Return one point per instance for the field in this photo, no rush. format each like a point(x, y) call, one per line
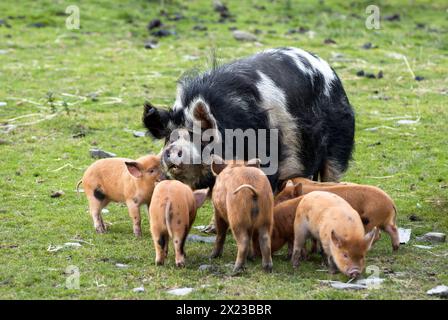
point(67, 91)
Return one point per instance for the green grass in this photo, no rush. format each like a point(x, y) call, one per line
point(52, 71)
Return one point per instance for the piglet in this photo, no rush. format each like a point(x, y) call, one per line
point(375, 207)
point(121, 180)
point(331, 220)
point(171, 213)
point(283, 228)
point(243, 199)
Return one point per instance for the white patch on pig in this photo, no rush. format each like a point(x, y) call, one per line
point(317, 65)
point(273, 101)
point(178, 103)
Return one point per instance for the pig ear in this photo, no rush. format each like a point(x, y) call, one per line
point(283, 185)
point(134, 168)
point(201, 112)
point(298, 190)
point(200, 196)
point(253, 163)
point(217, 165)
point(155, 120)
point(335, 239)
point(369, 237)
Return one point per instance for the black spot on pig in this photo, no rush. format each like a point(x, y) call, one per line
point(99, 194)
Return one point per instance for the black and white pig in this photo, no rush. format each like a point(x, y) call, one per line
point(287, 89)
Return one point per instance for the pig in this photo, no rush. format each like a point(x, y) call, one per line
point(283, 228)
point(171, 213)
point(121, 180)
point(243, 199)
point(286, 90)
point(376, 207)
point(331, 220)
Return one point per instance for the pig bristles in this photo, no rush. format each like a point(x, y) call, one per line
point(77, 186)
point(246, 186)
point(167, 218)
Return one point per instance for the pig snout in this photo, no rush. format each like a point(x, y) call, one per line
point(173, 157)
point(354, 272)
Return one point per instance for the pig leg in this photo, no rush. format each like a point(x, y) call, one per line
point(179, 244)
point(251, 253)
point(243, 242)
point(329, 172)
point(221, 232)
point(95, 207)
point(161, 245)
point(264, 239)
point(300, 233)
point(290, 250)
point(393, 233)
point(134, 213)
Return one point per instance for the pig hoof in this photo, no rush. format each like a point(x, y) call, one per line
point(267, 267)
point(100, 229)
point(138, 234)
point(159, 263)
point(215, 255)
point(180, 264)
point(237, 270)
point(395, 247)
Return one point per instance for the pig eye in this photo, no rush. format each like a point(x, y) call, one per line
point(345, 256)
point(151, 170)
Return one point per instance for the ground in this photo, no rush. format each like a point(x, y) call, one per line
point(67, 91)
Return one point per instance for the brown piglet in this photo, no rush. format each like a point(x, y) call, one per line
point(283, 228)
point(376, 208)
point(243, 199)
point(121, 180)
point(171, 213)
point(331, 220)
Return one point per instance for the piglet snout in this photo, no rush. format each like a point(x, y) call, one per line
point(354, 273)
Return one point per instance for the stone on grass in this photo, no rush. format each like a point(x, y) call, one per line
point(138, 289)
point(153, 24)
point(344, 286)
point(72, 244)
point(205, 267)
point(244, 36)
point(180, 291)
point(57, 194)
point(408, 122)
point(3, 104)
point(101, 154)
point(440, 291)
point(423, 247)
point(433, 237)
point(138, 134)
point(370, 281)
point(196, 238)
point(151, 44)
point(121, 265)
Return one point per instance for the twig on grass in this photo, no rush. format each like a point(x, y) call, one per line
point(60, 168)
point(408, 66)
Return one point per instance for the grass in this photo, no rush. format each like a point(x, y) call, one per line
point(92, 82)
